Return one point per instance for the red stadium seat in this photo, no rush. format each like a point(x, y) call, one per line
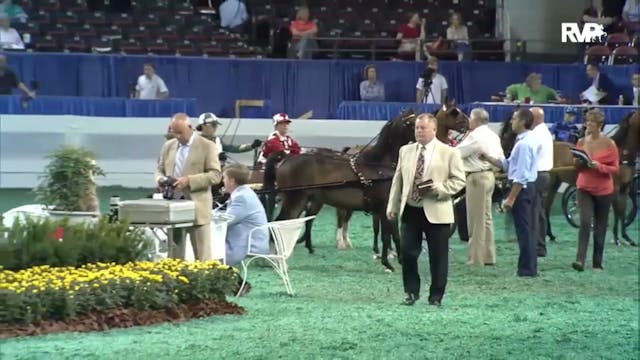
point(597, 53)
point(624, 55)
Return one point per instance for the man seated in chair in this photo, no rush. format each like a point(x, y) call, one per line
point(248, 213)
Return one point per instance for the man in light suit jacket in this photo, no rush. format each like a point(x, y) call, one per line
point(193, 161)
point(248, 213)
point(428, 212)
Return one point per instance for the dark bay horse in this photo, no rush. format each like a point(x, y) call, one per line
point(359, 182)
point(625, 137)
point(362, 181)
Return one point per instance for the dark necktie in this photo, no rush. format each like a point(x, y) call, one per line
point(415, 195)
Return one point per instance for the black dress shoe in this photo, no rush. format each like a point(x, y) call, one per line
point(435, 303)
point(577, 266)
point(410, 300)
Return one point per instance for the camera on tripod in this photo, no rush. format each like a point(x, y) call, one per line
point(168, 185)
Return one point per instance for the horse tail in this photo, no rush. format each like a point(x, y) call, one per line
point(269, 181)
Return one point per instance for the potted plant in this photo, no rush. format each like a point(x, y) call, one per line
point(68, 185)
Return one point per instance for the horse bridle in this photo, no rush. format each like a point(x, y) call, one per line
point(367, 184)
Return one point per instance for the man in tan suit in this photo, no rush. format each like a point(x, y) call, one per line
point(193, 161)
point(427, 212)
point(480, 185)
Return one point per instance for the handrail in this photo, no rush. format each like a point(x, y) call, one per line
point(375, 45)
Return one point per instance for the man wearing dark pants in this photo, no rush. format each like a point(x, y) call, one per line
point(521, 168)
point(544, 155)
point(427, 209)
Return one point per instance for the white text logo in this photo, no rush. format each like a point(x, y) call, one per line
point(591, 32)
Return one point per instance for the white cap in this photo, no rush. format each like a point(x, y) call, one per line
point(280, 117)
point(207, 118)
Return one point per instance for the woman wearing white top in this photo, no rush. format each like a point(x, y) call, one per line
point(9, 37)
point(458, 33)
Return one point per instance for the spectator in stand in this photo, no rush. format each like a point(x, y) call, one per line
point(595, 188)
point(303, 31)
point(631, 16)
point(438, 89)
point(9, 80)
point(233, 15)
point(150, 86)
point(15, 13)
point(9, 37)
point(533, 90)
point(632, 94)
point(371, 89)
point(410, 35)
point(601, 82)
point(457, 32)
point(599, 14)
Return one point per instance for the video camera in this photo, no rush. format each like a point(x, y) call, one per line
point(427, 76)
point(168, 185)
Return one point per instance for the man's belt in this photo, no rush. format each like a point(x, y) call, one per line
point(477, 171)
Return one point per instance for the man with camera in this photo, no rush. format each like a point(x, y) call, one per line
point(431, 87)
point(187, 169)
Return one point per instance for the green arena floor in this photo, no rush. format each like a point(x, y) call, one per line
point(347, 307)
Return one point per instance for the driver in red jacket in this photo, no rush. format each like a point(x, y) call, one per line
point(279, 140)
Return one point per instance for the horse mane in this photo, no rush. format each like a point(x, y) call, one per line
point(381, 145)
point(620, 136)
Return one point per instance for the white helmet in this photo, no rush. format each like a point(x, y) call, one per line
point(207, 118)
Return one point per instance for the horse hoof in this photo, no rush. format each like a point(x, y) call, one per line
point(631, 242)
point(376, 256)
point(388, 271)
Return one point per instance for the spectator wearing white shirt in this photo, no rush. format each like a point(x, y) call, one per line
point(544, 157)
point(480, 184)
point(233, 15)
point(150, 86)
point(437, 92)
point(9, 37)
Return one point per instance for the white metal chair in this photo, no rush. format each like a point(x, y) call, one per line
point(285, 234)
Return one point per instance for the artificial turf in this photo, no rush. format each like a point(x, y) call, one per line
point(347, 307)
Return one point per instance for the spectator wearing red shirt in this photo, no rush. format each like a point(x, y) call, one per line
point(279, 140)
point(303, 30)
point(595, 188)
point(410, 35)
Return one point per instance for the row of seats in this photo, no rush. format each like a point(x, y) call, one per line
point(172, 26)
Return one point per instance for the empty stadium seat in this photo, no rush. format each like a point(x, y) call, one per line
point(624, 55)
point(597, 53)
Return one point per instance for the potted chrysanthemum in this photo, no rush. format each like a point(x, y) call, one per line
point(68, 184)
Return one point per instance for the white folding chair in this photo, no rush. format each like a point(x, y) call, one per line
point(285, 234)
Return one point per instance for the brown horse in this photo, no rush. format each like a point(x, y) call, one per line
point(357, 183)
point(345, 215)
point(625, 137)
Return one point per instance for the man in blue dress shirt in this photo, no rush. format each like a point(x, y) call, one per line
point(522, 172)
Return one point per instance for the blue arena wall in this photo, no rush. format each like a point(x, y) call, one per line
point(293, 86)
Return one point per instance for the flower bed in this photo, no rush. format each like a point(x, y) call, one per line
point(43, 295)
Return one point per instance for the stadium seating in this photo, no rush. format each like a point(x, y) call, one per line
point(176, 27)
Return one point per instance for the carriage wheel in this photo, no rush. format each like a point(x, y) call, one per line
point(570, 206)
point(634, 193)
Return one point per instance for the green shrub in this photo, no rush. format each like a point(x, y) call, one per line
point(35, 242)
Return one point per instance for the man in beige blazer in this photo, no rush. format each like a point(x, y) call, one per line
point(428, 212)
point(193, 161)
